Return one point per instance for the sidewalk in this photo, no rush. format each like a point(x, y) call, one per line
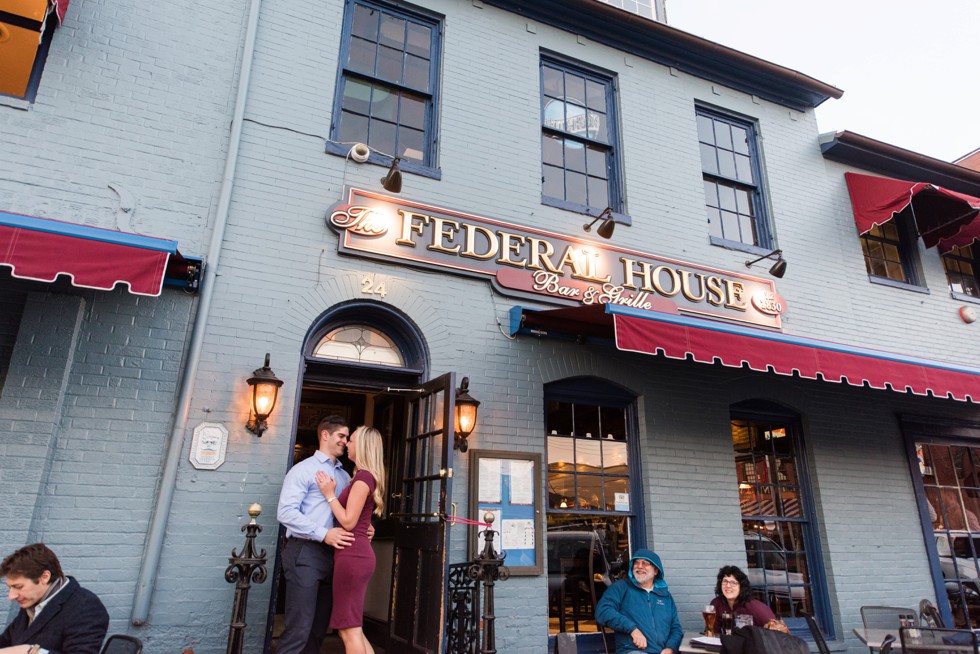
point(333, 645)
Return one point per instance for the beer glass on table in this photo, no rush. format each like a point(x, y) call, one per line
point(709, 620)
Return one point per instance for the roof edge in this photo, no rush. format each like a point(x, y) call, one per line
point(880, 157)
point(670, 46)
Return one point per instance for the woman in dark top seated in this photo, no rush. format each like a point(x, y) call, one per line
point(732, 595)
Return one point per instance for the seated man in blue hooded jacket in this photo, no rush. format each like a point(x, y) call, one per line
point(641, 610)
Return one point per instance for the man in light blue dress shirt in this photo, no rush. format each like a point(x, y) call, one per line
point(307, 554)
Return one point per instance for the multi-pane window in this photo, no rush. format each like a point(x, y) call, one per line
point(590, 506)
point(963, 270)
point(732, 185)
point(951, 479)
point(388, 83)
point(579, 166)
point(777, 529)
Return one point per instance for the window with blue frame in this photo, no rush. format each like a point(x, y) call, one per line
point(780, 539)
point(579, 138)
point(593, 508)
point(733, 195)
point(387, 92)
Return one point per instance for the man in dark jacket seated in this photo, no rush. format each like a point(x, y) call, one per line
point(57, 616)
point(641, 610)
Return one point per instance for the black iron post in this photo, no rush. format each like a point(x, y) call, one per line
point(244, 569)
point(489, 568)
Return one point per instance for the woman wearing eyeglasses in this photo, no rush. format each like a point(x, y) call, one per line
point(733, 596)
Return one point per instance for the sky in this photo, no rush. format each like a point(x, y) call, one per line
point(910, 71)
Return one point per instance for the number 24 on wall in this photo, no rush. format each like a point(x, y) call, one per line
point(368, 287)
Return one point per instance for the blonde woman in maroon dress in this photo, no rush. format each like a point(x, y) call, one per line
point(354, 565)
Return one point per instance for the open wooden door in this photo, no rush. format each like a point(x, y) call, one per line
point(417, 614)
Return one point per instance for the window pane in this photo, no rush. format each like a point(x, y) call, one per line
point(709, 161)
point(587, 421)
point(411, 143)
point(365, 23)
point(575, 88)
point(596, 128)
point(558, 420)
point(706, 131)
point(574, 156)
point(740, 139)
point(743, 169)
point(726, 164)
point(723, 134)
point(419, 41)
point(561, 453)
point(353, 128)
point(390, 64)
point(726, 196)
point(614, 457)
point(552, 149)
point(417, 72)
point(553, 182)
point(392, 31)
point(595, 96)
point(361, 56)
point(575, 188)
point(384, 105)
point(382, 136)
point(412, 112)
point(615, 485)
point(553, 82)
point(597, 162)
point(598, 193)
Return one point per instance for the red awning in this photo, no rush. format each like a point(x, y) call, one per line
point(60, 7)
point(940, 214)
point(733, 346)
point(42, 249)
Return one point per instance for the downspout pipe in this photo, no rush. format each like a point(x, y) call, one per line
point(161, 510)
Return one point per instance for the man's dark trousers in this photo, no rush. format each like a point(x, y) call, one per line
point(308, 567)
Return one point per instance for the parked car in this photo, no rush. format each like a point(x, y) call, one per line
point(767, 568)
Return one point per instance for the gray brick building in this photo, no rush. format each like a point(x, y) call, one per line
point(642, 390)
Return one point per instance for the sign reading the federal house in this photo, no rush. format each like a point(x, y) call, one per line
point(546, 266)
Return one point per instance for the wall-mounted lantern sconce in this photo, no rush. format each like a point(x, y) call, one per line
point(466, 406)
point(778, 269)
point(264, 387)
point(392, 182)
point(608, 224)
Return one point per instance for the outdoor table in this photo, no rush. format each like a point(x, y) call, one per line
point(874, 637)
point(687, 648)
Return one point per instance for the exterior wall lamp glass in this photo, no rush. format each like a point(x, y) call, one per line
point(778, 269)
point(465, 419)
point(392, 182)
point(264, 387)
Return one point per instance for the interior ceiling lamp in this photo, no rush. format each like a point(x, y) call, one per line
point(778, 269)
point(392, 182)
point(265, 390)
point(608, 224)
point(465, 419)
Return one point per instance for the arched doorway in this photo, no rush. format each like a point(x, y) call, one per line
point(364, 361)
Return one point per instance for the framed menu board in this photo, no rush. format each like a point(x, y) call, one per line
point(508, 485)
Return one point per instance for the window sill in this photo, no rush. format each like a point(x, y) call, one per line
point(405, 165)
point(963, 297)
point(884, 281)
point(740, 247)
point(15, 103)
point(619, 218)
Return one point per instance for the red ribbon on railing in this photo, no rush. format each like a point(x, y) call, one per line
point(454, 519)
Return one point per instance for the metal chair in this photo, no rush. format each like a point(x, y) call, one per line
point(121, 644)
point(887, 644)
point(818, 638)
point(930, 616)
point(924, 640)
